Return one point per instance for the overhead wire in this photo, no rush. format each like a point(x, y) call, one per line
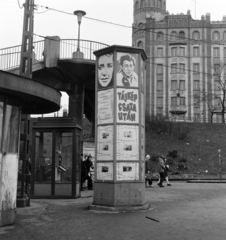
point(136, 28)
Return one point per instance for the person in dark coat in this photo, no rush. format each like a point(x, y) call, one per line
point(88, 164)
point(148, 178)
point(161, 170)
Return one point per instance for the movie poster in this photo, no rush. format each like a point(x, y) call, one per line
point(127, 70)
point(105, 107)
point(127, 171)
point(105, 171)
point(105, 143)
point(127, 142)
point(127, 105)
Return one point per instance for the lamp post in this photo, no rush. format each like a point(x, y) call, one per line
point(79, 14)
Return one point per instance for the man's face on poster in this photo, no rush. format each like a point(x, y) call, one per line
point(105, 69)
point(128, 67)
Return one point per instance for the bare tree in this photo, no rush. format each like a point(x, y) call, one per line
point(215, 95)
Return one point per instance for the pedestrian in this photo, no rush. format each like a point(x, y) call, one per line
point(89, 165)
point(166, 172)
point(161, 169)
point(148, 177)
point(84, 172)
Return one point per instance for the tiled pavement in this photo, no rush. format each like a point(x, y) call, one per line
point(193, 211)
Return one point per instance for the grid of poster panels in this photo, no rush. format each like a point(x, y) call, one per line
point(128, 116)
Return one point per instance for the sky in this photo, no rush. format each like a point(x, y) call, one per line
point(53, 23)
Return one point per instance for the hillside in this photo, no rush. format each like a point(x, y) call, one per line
point(199, 148)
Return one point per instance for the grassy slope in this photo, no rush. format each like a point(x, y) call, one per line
point(200, 147)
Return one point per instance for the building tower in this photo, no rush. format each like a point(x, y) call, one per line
point(182, 55)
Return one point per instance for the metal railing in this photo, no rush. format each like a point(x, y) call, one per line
point(10, 57)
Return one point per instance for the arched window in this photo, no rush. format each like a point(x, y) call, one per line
point(160, 36)
point(196, 35)
point(142, 3)
point(216, 35)
point(173, 36)
point(181, 34)
point(140, 25)
point(136, 5)
point(160, 3)
point(224, 37)
point(140, 44)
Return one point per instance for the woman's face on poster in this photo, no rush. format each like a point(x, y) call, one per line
point(105, 69)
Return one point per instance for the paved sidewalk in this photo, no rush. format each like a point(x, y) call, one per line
point(184, 211)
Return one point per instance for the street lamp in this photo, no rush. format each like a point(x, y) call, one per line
point(79, 14)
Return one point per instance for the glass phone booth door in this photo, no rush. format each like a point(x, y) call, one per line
point(53, 166)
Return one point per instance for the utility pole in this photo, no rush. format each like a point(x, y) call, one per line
point(27, 40)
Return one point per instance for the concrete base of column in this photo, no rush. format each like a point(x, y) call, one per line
point(119, 197)
point(115, 209)
point(7, 217)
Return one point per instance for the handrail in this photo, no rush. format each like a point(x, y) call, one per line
point(10, 57)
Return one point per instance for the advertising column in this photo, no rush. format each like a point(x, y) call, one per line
point(120, 133)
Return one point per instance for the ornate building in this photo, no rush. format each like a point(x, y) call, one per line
point(182, 53)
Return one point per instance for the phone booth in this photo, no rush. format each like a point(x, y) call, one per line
point(56, 158)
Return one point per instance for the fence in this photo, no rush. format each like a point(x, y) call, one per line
point(10, 57)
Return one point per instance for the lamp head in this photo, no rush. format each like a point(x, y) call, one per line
point(79, 14)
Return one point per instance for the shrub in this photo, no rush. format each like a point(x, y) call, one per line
point(183, 131)
point(182, 167)
point(173, 154)
point(170, 161)
point(154, 158)
point(183, 160)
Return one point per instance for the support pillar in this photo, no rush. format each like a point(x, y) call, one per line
point(120, 130)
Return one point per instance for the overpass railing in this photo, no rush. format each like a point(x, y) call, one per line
point(10, 57)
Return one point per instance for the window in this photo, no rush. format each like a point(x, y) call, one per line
point(182, 101)
point(140, 44)
point(160, 77)
point(217, 85)
point(224, 36)
point(216, 52)
point(174, 85)
point(196, 117)
point(196, 68)
point(160, 52)
point(181, 34)
point(182, 85)
point(195, 51)
point(174, 68)
point(159, 102)
point(196, 85)
point(160, 3)
point(160, 36)
point(182, 68)
point(174, 51)
point(174, 101)
point(142, 3)
point(159, 85)
point(216, 35)
point(182, 51)
point(174, 36)
point(225, 52)
point(136, 5)
point(196, 102)
point(196, 35)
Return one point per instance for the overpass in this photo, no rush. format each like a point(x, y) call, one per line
point(54, 64)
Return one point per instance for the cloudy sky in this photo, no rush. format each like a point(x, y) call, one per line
point(52, 23)
point(64, 25)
